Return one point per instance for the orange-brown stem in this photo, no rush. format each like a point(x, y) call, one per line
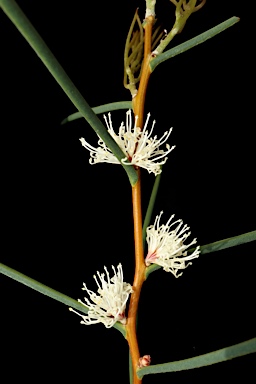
point(140, 267)
point(139, 278)
point(139, 99)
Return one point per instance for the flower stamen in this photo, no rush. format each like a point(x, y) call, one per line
point(166, 245)
point(141, 149)
point(109, 305)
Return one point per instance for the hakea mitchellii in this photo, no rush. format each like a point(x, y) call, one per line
point(108, 306)
point(166, 245)
point(140, 148)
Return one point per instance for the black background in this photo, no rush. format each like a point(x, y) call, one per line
point(63, 219)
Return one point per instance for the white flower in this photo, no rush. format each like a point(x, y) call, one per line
point(140, 148)
point(166, 245)
point(108, 306)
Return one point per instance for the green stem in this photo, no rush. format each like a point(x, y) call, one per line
point(150, 208)
point(182, 16)
point(130, 369)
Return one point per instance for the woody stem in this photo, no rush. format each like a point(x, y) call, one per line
point(140, 267)
point(139, 278)
point(139, 99)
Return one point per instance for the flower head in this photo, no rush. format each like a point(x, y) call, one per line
point(108, 306)
point(139, 147)
point(166, 245)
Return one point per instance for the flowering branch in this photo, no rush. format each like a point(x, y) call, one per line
point(134, 148)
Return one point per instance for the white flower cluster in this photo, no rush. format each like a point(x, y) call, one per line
point(109, 305)
point(165, 242)
point(140, 148)
point(166, 245)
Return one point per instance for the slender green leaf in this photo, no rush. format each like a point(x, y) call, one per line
point(216, 246)
point(192, 42)
point(24, 26)
point(219, 356)
point(229, 242)
point(100, 109)
point(39, 287)
point(151, 205)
